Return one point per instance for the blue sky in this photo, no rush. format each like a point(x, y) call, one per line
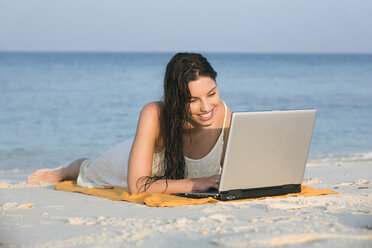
point(258, 26)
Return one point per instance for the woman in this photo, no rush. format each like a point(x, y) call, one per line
point(179, 143)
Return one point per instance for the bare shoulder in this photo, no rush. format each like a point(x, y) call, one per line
point(226, 132)
point(150, 113)
point(148, 128)
point(228, 116)
point(152, 109)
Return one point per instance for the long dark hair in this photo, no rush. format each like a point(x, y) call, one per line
point(181, 69)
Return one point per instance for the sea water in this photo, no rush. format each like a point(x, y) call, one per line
point(56, 107)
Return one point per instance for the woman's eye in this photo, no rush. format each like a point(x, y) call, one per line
point(212, 94)
point(192, 100)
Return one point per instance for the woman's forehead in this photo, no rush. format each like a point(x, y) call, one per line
point(203, 85)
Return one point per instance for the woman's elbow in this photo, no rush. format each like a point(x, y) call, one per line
point(135, 187)
point(132, 188)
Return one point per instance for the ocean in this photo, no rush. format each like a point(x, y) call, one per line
point(56, 107)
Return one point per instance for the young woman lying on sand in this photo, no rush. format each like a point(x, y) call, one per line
point(179, 142)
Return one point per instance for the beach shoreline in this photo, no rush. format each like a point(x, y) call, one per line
point(43, 217)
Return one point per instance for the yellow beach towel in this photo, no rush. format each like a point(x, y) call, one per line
point(163, 200)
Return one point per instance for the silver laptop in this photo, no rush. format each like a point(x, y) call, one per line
point(266, 154)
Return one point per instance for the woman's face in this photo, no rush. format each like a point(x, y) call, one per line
point(204, 101)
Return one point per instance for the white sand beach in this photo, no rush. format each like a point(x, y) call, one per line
point(43, 217)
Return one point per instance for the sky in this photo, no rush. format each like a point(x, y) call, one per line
point(251, 26)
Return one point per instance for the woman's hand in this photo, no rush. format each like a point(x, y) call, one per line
point(205, 183)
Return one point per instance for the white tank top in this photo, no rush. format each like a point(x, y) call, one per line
point(204, 167)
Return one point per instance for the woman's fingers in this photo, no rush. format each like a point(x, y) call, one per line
point(205, 183)
point(215, 181)
point(216, 178)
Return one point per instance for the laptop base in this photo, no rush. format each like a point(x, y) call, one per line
point(246, 193)
point(259, 192)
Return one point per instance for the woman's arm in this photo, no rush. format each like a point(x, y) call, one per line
point(141, 156)
point(181, 185)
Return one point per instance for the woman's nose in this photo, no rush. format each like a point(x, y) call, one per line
point(205, 106)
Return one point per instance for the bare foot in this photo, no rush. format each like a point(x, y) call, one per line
point(46, 176)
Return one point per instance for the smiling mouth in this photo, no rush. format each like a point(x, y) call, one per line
point(206, 116)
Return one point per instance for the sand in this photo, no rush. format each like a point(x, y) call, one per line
point(39, 216)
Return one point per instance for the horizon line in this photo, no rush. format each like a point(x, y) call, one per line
point(195, 51)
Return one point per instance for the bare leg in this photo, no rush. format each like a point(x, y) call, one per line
point(71, 172)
